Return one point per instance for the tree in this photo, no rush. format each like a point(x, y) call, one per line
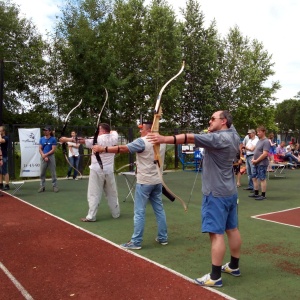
point(163, 61)
point(288, 115)
point(80, 59)
point(200, 48)
point(22, 49)
point(128, 48)
point(245, 69)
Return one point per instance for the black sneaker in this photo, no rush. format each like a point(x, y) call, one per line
point(260, 198)
point(248, 189)
point(41, 189)
point(6, 187)
point(1, 186)
point(164, 243)
point(253, 196)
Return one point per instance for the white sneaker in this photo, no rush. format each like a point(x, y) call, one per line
point(207, 281)
point(130, 246)
point(228, 270)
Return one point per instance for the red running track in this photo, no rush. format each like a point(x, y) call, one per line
point(52, 259)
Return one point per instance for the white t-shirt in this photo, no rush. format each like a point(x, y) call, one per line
point(105, 140)
point(251, 143)
point(74, 151)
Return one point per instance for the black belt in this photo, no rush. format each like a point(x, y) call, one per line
point(249, 155)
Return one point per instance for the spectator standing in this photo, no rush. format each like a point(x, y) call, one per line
point(249, 149)
point(260, 164)
point(47, 149)
point(219, 205)
point(101, 179)
point(148, 188)
point(272, 150)
point(4, 176)
point(73, 157)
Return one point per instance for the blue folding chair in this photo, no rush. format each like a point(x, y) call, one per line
point(198, 160)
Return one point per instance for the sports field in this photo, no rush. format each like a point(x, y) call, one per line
point(270, 262)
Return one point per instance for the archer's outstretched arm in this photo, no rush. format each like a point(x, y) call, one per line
point(184, 138)
point(111, 149)
point(79, 140)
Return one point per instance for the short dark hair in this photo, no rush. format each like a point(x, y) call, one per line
point(148, 124)
point(261, 128)
point(105, 126)
point(227, 115)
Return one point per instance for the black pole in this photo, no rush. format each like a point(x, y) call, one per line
point(1, 89)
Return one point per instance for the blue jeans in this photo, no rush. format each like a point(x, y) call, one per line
point(153, 193)
point(290, 158)
point(249, 172)
point(74, 161)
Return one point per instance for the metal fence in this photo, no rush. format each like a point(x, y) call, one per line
point(126, 135)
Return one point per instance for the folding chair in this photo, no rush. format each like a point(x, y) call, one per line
point(17, 185)
point(130, 183)
point(198, 160)
point(279, 166)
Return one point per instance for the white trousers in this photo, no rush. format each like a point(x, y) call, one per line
point(99, 182)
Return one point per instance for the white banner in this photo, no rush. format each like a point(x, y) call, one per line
point(30, 156)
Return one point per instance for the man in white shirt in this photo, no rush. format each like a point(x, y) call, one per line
point(249, 149)
point(102, 176)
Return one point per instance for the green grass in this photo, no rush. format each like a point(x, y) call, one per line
point(270, 260)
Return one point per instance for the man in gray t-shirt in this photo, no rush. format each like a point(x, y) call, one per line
point(219, 205)
point(260, 164)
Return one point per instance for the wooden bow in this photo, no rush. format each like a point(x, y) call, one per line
point(97, 154)
point(64, 145)
point(155, 128)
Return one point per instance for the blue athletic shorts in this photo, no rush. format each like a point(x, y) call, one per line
point(259, 172)
point(219, 214)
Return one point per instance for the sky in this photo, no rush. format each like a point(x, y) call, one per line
point(274, 23)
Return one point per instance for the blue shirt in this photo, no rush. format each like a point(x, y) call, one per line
point(47, 143)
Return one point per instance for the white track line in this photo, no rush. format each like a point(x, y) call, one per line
point(17, 284)
point(128, 251)
point(261, 217)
